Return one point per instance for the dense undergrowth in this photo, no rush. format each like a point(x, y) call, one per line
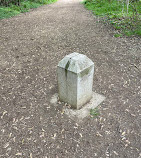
point(115, 12)
point(12, 9)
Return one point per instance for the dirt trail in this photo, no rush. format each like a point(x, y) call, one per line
point(31, 45)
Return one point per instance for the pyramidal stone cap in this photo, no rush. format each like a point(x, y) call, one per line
point(75, 79)
point(75, 62)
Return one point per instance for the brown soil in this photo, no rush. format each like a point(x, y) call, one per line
point(32, 44)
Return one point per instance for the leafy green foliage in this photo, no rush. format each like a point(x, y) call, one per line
point(116, 14)
point(117, 35)
point(94, 112)
point(12, 10)
point(18, 2)
point(6, 12)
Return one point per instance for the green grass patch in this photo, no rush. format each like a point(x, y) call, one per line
point(25, 6)
point(115, 13)
point(118, 35)
point(6, 12)
point(94, 112)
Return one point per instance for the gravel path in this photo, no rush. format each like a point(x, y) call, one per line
point(32, 44)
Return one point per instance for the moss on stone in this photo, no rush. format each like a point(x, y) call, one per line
point(66, 67)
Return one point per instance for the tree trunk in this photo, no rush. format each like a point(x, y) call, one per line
point(127, 5)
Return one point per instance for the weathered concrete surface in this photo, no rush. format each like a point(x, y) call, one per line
point(75, 79)
point(30, 47)
point(79, 115)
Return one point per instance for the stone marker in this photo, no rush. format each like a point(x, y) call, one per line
point(75, 79)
